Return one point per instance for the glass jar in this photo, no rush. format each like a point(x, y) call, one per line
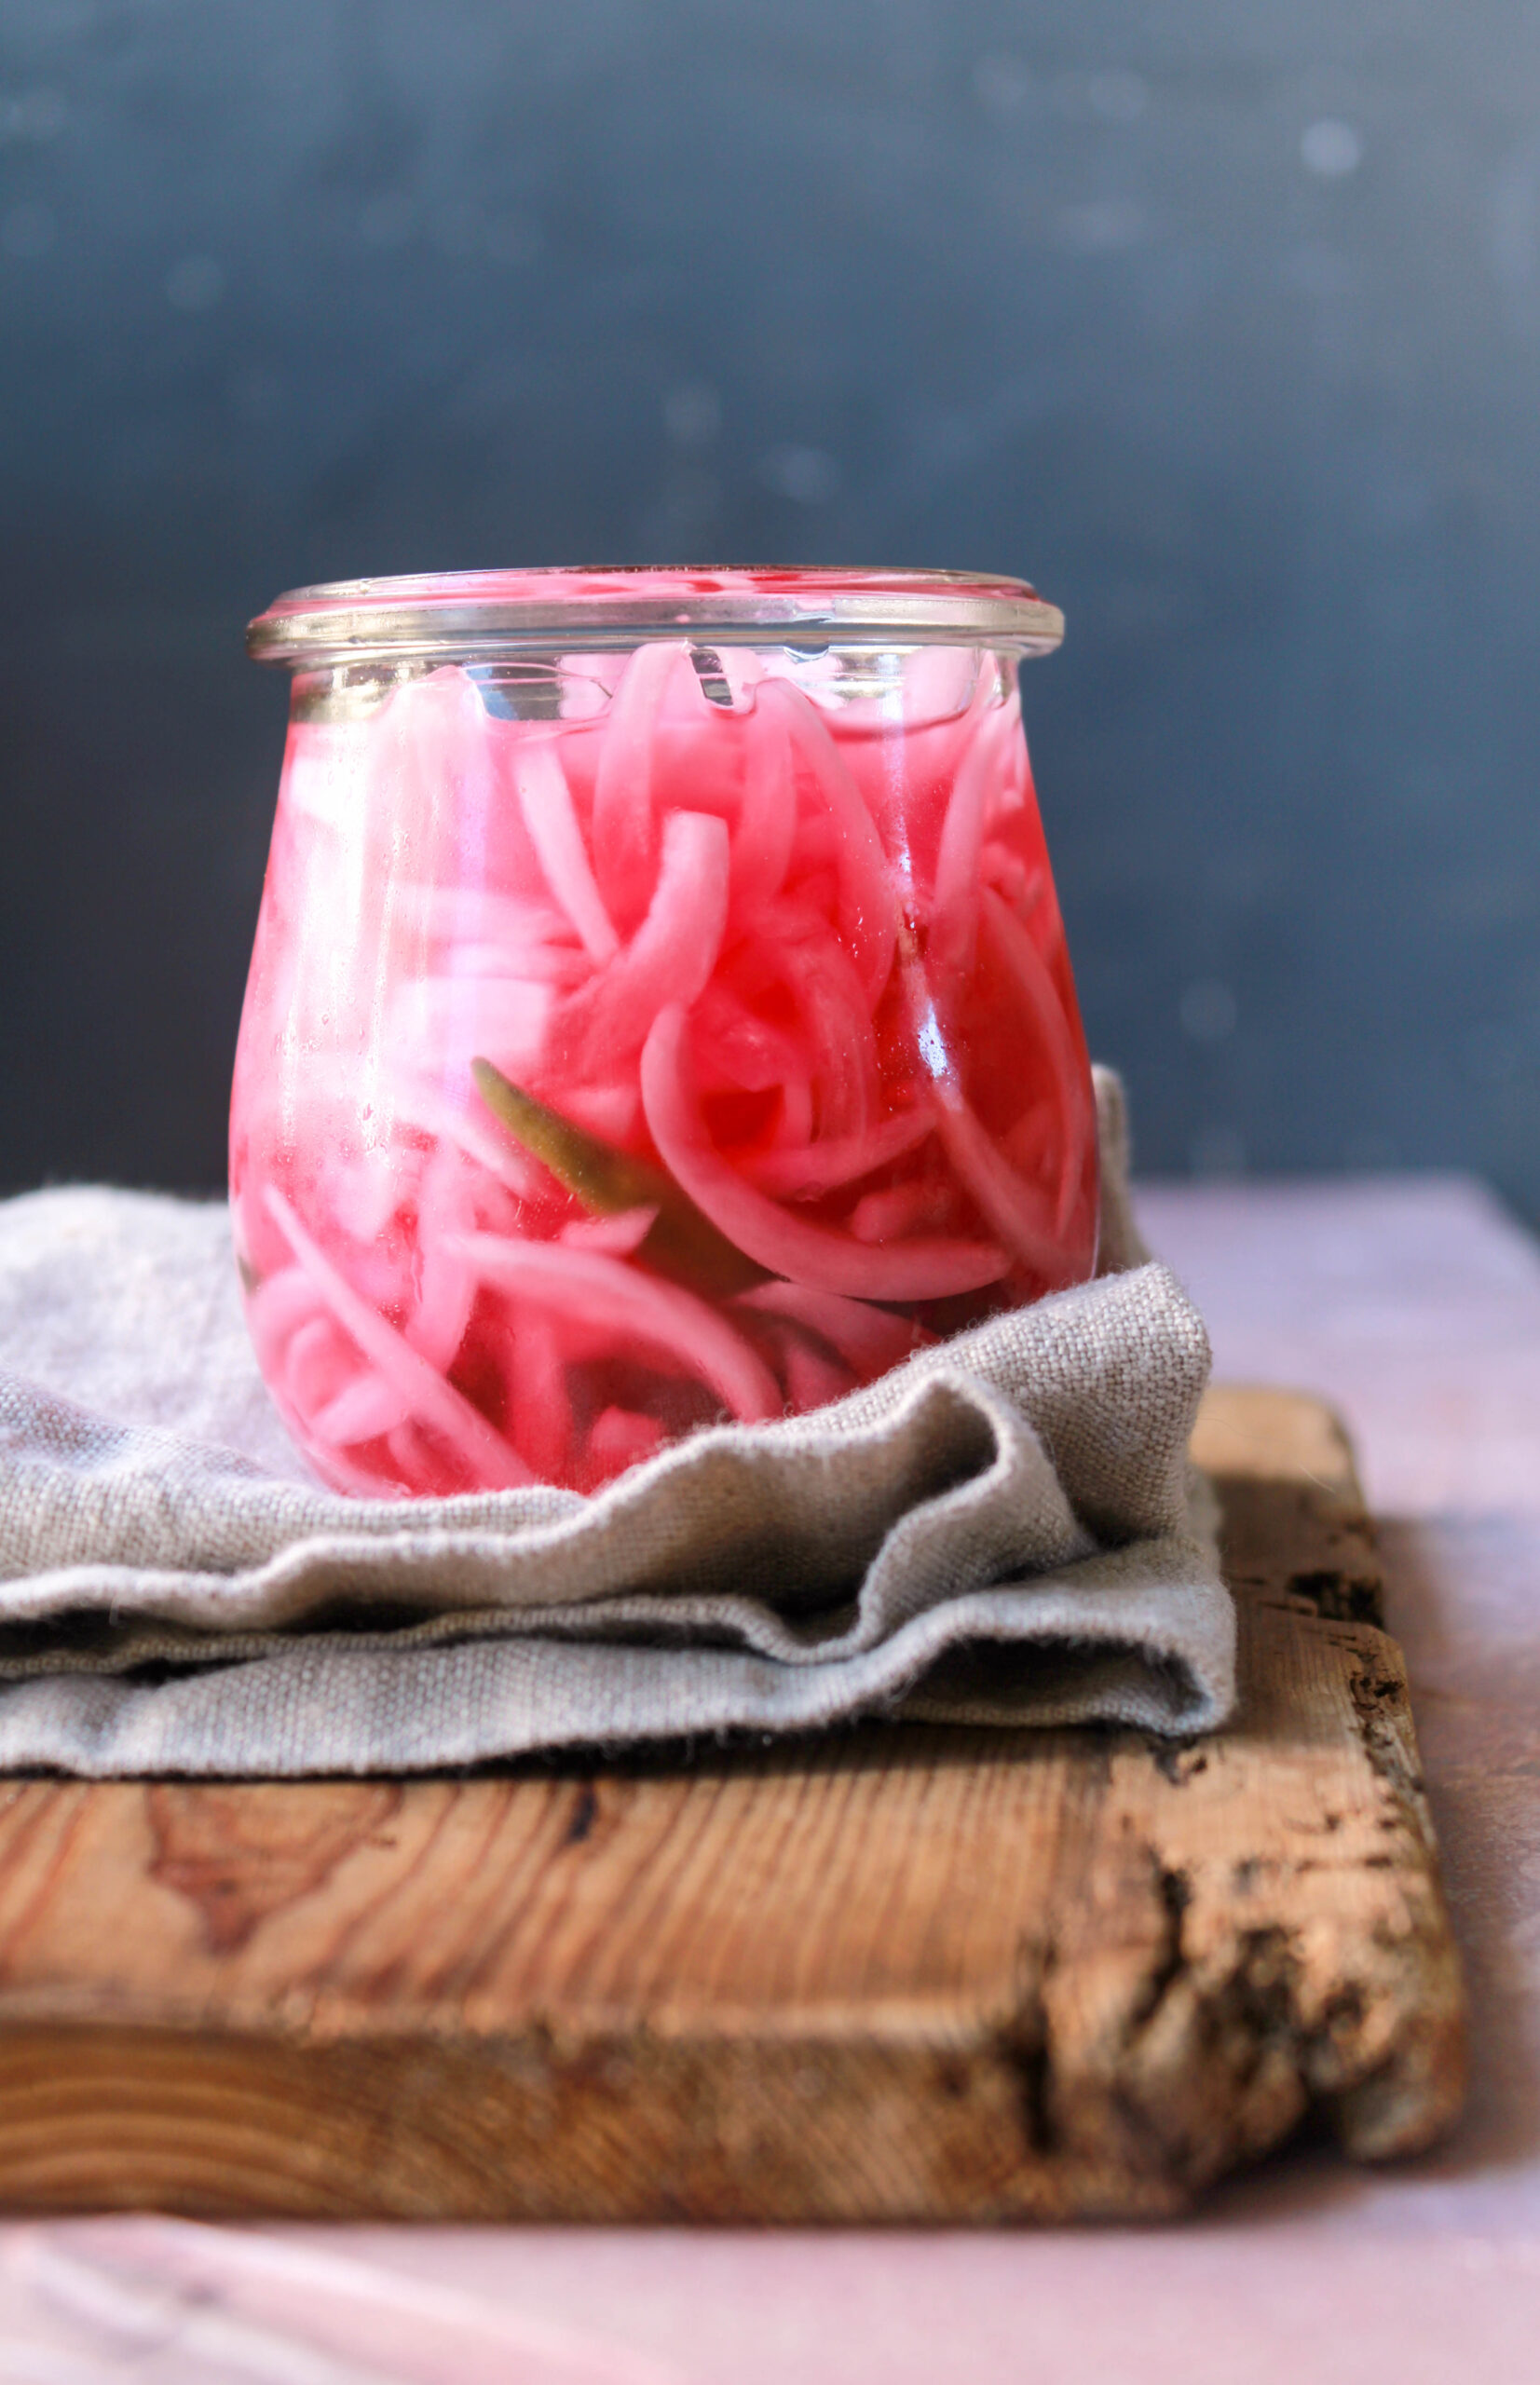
point(660, 1011)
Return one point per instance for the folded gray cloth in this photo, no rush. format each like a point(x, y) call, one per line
point(1004, 1529)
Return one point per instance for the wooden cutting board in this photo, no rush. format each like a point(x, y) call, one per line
point(903, 1973)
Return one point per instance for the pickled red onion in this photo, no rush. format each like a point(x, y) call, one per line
point(869, 1340)
point(813, 1378)
point(795, 1247)
point(425, 1391)
point(765, 828)
point(1031, 974)
point(897, 1209)
point(954, 906)
point(869, 913)
point(541, 1415)
point(275, 1312)
point(619, 1437)
point(672, 921)
point(672, 954)
point(1001, 1197)
point(545, 800)
point(806, 1168)
point(625, 817)
point(836, 1025)
point(619, 1234)
point(591, 1289)
point(365, 1409)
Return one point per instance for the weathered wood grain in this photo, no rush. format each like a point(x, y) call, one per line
point(904, 1973)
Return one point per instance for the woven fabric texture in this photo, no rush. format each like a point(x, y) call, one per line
point(1006, 1529)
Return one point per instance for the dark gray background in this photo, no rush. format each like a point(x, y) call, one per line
point(1221, 321)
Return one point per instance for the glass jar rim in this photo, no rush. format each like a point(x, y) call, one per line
point(455, 613)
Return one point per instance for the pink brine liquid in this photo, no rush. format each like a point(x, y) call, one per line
point(673, 1036)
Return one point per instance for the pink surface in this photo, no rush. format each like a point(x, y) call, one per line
point(1415, 1304)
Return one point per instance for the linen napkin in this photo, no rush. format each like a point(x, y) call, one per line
point(1004, 1530)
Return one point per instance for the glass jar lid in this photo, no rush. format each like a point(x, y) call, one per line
point(460, 612)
